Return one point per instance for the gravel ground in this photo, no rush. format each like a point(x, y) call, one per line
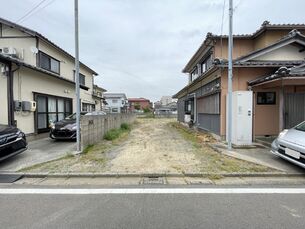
point(152, 146)
point(155, 147)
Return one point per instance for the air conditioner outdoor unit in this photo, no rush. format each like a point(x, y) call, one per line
point(10, 51)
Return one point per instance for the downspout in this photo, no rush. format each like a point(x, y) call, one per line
point(10, 95)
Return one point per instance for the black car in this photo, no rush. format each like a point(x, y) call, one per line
point(12, 141)
point(65, 129)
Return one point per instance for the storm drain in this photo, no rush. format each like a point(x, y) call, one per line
point(153, 180)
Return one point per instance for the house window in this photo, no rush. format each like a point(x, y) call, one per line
point(266, 98)
point(48, 63)
point(115, 110)
point(88, 107)
point(82, 78)
point(206, 64)
point(194, 74)
point(51, 109)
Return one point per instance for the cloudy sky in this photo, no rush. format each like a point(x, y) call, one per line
point(140, 46)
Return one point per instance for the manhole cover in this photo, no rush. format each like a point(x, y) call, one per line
point(153, 180)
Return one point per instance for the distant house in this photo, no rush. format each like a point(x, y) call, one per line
point(116, 102)
point(98, 95)
point(139, 104)
point(165, 100)
point(37, 80)
point(269, 72)
point(166, 105)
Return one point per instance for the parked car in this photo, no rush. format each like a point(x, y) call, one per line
point(12, 141)
point(65, 129)
point(290, 145)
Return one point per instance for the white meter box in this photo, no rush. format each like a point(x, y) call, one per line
point(242, 114)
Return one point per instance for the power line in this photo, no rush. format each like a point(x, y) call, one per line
point(33, 13)
point(31, 10)
point(237, 5)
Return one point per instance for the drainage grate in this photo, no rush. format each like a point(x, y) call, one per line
point(153, 180)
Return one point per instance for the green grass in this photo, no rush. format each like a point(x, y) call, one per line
point(146, 115)
point(125, 126)
point(116, 133)
point(212, 161)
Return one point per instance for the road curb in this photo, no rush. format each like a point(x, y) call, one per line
point(124, 175)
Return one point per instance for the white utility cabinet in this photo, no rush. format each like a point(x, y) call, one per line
point(242, 113)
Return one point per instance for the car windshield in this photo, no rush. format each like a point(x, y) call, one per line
point(71, 117)
point(301, 127)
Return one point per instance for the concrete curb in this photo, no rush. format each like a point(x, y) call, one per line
point(125, 175)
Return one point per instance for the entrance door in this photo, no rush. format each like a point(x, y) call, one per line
point(294, 109)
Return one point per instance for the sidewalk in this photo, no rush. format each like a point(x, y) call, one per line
point(259, 155)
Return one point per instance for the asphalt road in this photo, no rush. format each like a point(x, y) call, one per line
point(152, 211)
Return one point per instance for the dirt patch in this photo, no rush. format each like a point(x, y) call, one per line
point(152, 146)
point(165, 146)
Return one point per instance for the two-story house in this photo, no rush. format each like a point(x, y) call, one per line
point(268, 63)
point(137, 104)
point(116, 102)
point(98, 94)
point(37, 83)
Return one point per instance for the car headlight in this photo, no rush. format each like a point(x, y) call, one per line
point(20, 134)
point(275, 144)
point(283, 133)
point(52, 126)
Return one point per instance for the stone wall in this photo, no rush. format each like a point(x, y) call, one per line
point(94, 127)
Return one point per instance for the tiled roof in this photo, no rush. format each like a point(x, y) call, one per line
point(263, 63)
point(295, 71)
point(266, 25)
point(138, 100)
point(115, 95)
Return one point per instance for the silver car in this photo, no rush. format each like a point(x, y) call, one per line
point(290, 145)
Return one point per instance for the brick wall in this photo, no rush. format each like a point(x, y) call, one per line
point(94, 127)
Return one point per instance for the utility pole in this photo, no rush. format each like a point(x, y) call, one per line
point(78, 148)
point(230, 75)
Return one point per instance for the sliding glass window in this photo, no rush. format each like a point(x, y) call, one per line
point(51, 109)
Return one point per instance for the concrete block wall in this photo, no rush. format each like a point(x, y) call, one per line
point(94, 127)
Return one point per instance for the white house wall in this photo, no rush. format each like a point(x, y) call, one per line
point(66, 70)
point(12, 32)
point(31, 81)
point(22, 45)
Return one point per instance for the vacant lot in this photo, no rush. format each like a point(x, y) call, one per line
point(152, 146)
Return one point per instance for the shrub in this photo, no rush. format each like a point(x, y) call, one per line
point(125, 126)
point(112, 134)
point(146, 110)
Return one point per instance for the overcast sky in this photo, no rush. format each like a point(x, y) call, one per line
point(140, 46)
